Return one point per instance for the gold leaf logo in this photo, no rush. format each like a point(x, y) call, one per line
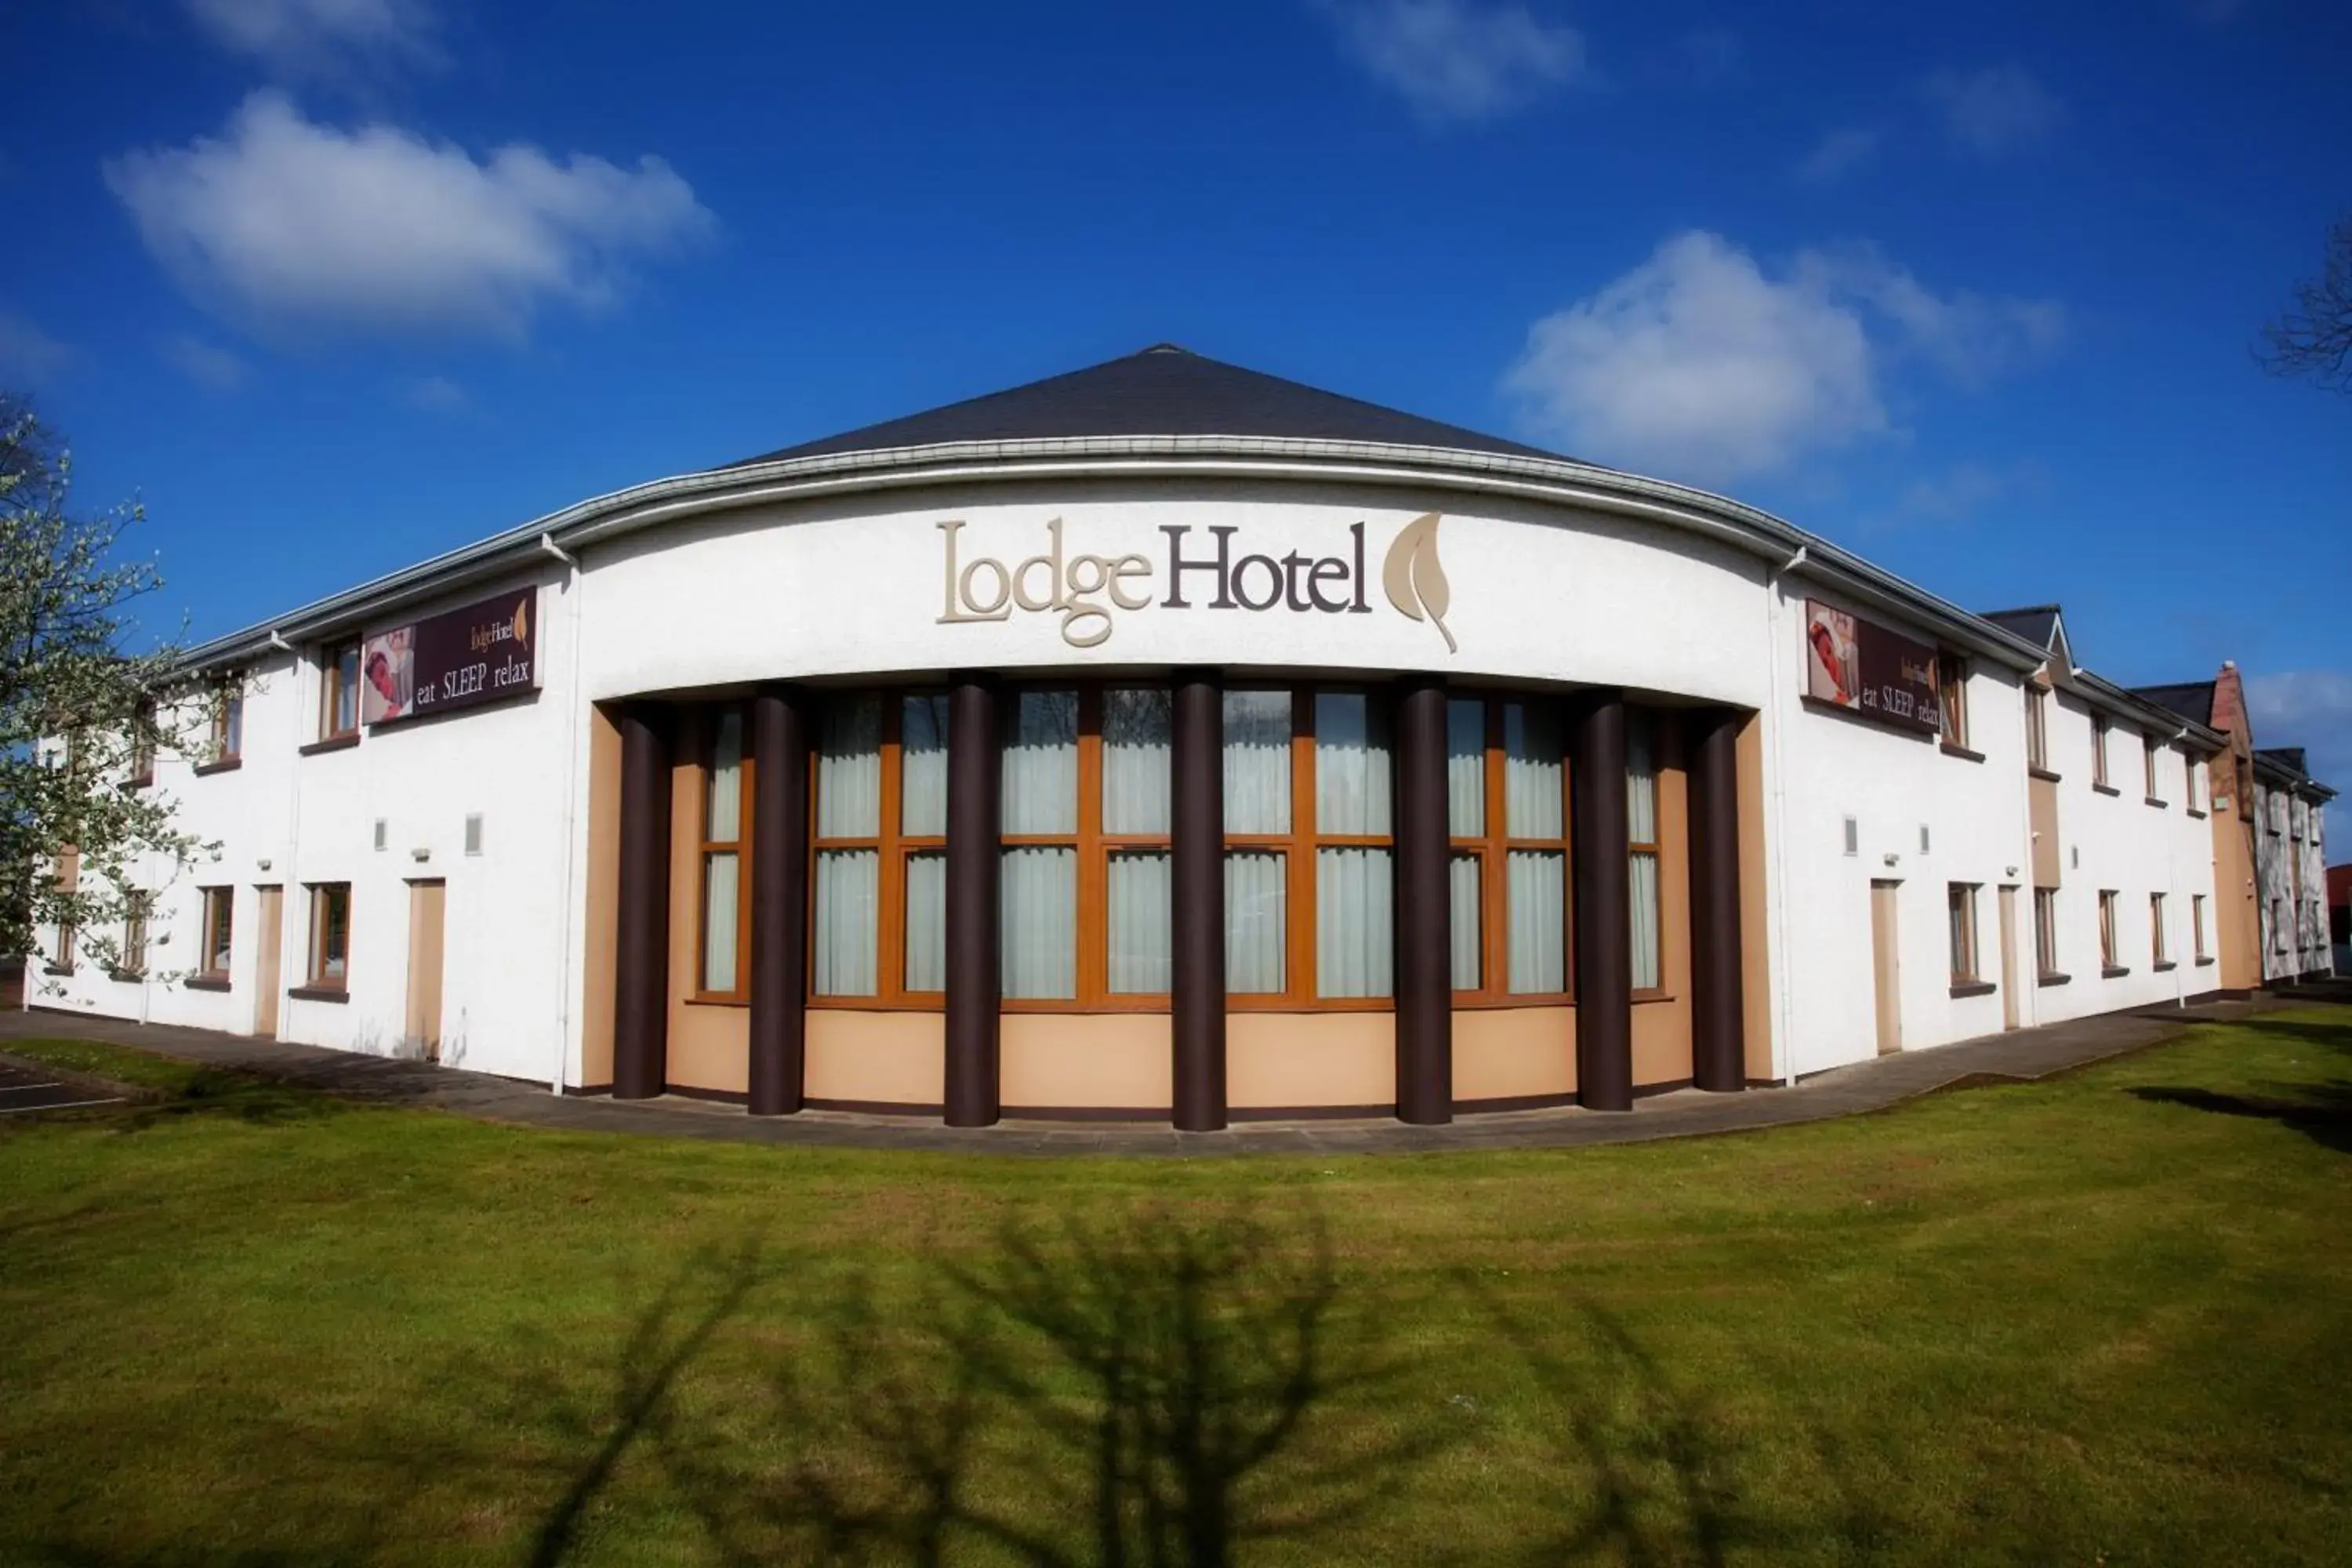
point(1416, 582)
point(522, 620)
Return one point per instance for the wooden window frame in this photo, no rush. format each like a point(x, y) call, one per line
point(226, 739)
point(2157, 953)
point(1093, 847)
point(130, 962)
point(222, 900)
point(1493, 848)
point(1960, 920)
point(1952, 695)
point(2197, 925)
point(319, 979)
point(706, 754)
point(892, 849)
point(1664, 743)
point(2149, 746)
point(2045, 932)
point(331, 686)
point(1301, 849)
point(143, 745)
point(2099, 752)
point(2109, 942)
point(2037, 727)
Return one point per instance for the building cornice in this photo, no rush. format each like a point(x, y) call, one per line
point(1560, 482)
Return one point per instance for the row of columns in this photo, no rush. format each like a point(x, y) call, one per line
point(783, 724)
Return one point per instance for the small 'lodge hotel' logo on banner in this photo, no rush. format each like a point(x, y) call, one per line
point(1085, 590)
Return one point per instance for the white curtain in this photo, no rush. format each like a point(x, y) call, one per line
point(927, 920)
point(1257, 761)
point(849, 769)
point(923, 767)
point(1640, 784)
point(1140, 891)
point(1352, 764)
point(1353, 944)
point(1255, 918)
point(1039, 908)
point(1531, 770)
point(1041, 764)
point(723, 803)
point(845, 922)
point(1465, 770)
point(1464, 879)
point(1136, 726)
point(1535, 888)
point(721, 905)
point(1644, 883)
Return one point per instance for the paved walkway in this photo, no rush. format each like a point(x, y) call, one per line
point(2021, 1057)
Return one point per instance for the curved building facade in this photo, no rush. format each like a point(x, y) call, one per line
point(1169, 741)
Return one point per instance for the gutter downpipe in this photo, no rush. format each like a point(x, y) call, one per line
point(563, 1014)
point(1776, 794)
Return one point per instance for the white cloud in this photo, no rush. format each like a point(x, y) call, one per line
point(1699, 364)
point(1957, 494)
point(1995, 111)
point(1838, 154)
point(1458, 59)
point(284, 224)
point(203, 363)
point(2307, 708)
point(29, 356)
point(318, 36)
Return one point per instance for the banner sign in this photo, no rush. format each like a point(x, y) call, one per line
point(462, 657)
point(1869, 670)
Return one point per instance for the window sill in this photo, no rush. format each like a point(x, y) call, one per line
point(144, 780)
point(59, 969)
point(2054, 978)
point(2197, 814)
point(1954, 749)
point(2115, 972)
point(718, 1000)
point(1474, 1001)
point(226, 765)
point(2163, 966)
point(2151, 800)
point(319, 993)
point(128, 976)
point(332, 743)
point(1652, 994)
point(2204, 962)
point(1973, 988)
point(2105, 789)
point(205, 983)
point(2044, 775)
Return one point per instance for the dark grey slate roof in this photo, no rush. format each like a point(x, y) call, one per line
point(1163, 391)
point(2287, 757)
point(2193, 700)
point(2037, 624)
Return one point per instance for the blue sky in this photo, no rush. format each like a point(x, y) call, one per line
point(335, 284)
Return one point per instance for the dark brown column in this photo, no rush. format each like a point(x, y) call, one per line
point(640, 948)
point(781, 721)
point(975, 781)
point(1604, 960)
point(1197, 927)
point(1424, 911)
point(1718, 1040)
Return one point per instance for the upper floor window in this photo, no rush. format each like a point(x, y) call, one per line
point(2148, 752)
point(338, 691)
point(2099, 750)
point(2192, 770)
point(1506, 810)
point(143, 745)
point(1952, 689)
point(225, 742)
point(2037, 727)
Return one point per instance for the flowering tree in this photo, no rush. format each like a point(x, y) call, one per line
point(82, 711)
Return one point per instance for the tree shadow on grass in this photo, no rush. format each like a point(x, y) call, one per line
point(220, 1093)
point(2321, 1113)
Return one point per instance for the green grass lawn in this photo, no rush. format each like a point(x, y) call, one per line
point(2106, 1319)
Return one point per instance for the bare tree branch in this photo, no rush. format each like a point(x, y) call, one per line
point(2312, 340)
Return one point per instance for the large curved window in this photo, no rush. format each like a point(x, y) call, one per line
point(1507, 810)
point(878, 919)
